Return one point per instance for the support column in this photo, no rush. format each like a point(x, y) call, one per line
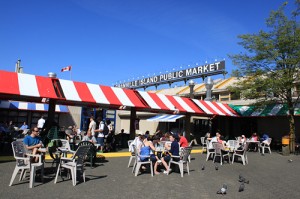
point(188, 128)
point(132, 123)
point(49, 121)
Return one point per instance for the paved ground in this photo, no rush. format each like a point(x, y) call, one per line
point(271, 176)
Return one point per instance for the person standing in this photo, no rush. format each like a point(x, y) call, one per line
point(100, 136)
point(41, 123)
point(92, 126)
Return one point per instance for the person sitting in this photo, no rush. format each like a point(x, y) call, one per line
point(33, 142)
point(24, 126)
point(182, 140)
point(213, 139)
point(88, 137)
point(146, 149)
point(254, 137)
point(207, 136)
point(172, 150)
point(265, 138)
point(166, 137)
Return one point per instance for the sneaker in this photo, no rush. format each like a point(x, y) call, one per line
point(166, 172)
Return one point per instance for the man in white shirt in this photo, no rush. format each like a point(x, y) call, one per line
point(100, 137)
point(92, 126)
point(41, 123)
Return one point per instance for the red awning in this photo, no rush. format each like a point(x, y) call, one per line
point(169, 103)
point(25, 85)
point(80, 92)
point(215, 108)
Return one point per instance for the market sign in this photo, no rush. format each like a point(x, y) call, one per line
point(176, 76)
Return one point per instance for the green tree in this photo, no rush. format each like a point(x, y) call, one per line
point(270, 63)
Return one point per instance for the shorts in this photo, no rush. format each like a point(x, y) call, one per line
point(100, 141)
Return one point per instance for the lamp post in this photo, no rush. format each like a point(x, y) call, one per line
point(191, 85)
point(208, 85)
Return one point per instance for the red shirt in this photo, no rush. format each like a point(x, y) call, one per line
point(183, 142)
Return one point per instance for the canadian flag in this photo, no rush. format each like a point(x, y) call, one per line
point(68, 68)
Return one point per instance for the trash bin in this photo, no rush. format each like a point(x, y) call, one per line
point(285, 145)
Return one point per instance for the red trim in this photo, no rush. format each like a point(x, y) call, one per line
point(45, 87)
point(175, 103)
point(134, 98)
point(84, 92)
point(219, 108)
point(9, 83)
point(110, 96)
point(192, 105)
point(230, 109)
point(208, 107)
point(158, 101)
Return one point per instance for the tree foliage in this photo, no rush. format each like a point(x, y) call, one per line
point(270, 64)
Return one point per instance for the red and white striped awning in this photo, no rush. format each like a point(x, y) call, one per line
point(104, 95)
point(169, 103)
point(21, 84)
point(215, 108)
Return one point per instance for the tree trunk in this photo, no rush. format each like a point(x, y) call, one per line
point(292, 132)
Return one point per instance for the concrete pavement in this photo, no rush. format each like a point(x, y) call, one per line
point(271, 176)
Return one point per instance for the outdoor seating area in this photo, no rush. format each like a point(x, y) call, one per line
point(114, 173)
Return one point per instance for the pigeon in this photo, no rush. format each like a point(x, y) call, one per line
point(241, 178)
point(290, 160)
point(216, 167)
point(203, 167)
point(223, 190)
point(242, 187)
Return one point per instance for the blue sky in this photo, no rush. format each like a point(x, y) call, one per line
point(119, 40)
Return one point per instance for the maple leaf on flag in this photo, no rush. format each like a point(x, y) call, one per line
point(68, 68)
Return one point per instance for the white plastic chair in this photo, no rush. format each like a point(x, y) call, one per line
point(242, 154)
point(132, 156)
point(137, 164)
point(23, 163)
point(265, 145)
point(183, 160)
point(209, 151)
point(74, 164)
point(65, 148)
point(219, 152)
point(203, 143)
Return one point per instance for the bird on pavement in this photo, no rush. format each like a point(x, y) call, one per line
point(223, 190)
point(216, 167)
point(242, 187)
point(203, 167)
point(241, 178)
point(290, 160)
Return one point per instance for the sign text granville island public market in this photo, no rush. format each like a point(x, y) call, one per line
point(190, 73)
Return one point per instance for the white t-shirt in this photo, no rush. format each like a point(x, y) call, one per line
point(41, 123)
point(214, 139)
point(92, 127)
point(101, 127)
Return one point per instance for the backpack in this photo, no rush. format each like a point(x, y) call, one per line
point(105, 129)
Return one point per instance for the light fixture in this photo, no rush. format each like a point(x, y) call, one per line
point(209, 83)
